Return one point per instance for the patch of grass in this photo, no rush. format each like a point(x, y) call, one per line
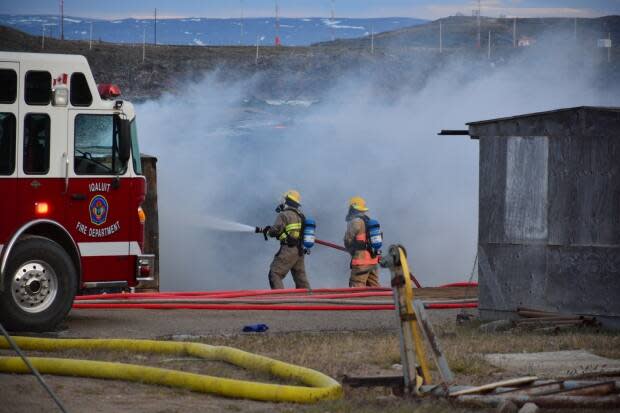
point(368, 353)
point(334, 353)
point(603, 343)
point(383, 404)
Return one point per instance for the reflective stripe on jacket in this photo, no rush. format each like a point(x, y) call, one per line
point(291, 230)
point(287, 225)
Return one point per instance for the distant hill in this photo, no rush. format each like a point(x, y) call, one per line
point(400, 59)
point(205, 31)
point(462, 31)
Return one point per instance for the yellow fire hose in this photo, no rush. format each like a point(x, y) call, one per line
point(321, 387)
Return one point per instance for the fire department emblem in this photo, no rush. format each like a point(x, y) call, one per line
point(98, 210)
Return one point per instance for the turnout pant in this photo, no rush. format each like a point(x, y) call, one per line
point(288, 259)
point(367, 276)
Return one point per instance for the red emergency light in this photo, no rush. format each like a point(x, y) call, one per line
point(41, 208)
point(108, 91)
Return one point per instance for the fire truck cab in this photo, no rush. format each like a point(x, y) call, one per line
point(71, 189)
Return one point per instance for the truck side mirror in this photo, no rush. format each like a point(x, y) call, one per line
point(124, 140)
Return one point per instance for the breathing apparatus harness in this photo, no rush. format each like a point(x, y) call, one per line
point(374, 236)
point(306, 229)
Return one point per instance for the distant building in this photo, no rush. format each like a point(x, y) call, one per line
point(549, 213)
point(525, 41)
point(604, 43)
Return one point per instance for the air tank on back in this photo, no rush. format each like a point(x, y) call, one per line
point(376, 236)
point(309, 233)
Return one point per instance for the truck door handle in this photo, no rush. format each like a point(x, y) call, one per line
point(78, 197)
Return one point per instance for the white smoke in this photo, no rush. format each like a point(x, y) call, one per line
point(359, 140)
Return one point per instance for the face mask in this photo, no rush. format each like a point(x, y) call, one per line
point(280, 208)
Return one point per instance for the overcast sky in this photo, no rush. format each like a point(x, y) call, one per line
point(306, 8)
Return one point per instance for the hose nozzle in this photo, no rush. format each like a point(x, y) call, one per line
point(258, 230)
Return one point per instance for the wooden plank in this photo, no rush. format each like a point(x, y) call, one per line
point(545, 402)
point(594, 389)
point(491, 386)
point(415, 329)
point(407, 350)
point(431, 338)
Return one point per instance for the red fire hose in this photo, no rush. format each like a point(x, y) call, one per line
point(238, 293)
point(460, 284)
point(271, 307)
point(308, 300)
point(341, 248)
point(330, 245)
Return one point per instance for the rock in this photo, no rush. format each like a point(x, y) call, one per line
point(397, 367)
point(507, 406)
point(529, 408)
point(495, 326)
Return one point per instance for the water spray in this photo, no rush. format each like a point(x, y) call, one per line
point(225, 225)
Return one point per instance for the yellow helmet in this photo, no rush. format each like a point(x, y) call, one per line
point(293, 195)
point(358, 203)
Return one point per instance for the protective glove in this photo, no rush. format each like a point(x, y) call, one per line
point(266, 232)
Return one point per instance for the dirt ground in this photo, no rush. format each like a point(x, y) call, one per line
point(335, 343)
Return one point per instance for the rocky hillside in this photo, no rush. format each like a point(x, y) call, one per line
point(400, 59)
point(462, 31)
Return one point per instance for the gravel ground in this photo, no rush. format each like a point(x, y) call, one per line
point(165, 323)
point(168, 323)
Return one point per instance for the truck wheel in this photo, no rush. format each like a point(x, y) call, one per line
point(40, 282)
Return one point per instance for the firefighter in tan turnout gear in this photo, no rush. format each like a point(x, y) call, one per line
point(364, 264)
point(288, 230)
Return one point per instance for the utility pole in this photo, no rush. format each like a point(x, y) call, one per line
point(575, 30)
point(489, 48)
point(331, 20)
point(241, 25)
point(143, 44)
point(256, 59)
point(372, 39)
point(90, 38)
point(479, 39)
point(514, 32)
point(440, 38)
point(62, 20)
point(155, 28)
point(43, 34)
point(277, 40)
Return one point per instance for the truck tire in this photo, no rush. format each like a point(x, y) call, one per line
point(40, 282)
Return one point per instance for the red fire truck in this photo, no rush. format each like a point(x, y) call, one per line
point(71, 189)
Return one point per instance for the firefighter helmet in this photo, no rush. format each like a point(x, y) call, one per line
point(358, 203)
point(293, 195)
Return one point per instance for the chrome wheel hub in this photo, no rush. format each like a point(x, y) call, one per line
point(34, 286)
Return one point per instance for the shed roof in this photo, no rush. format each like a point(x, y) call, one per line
point(576, 121)
point(547, 112)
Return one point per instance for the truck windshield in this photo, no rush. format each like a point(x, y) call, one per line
point(96, 146)
point(135, 148)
